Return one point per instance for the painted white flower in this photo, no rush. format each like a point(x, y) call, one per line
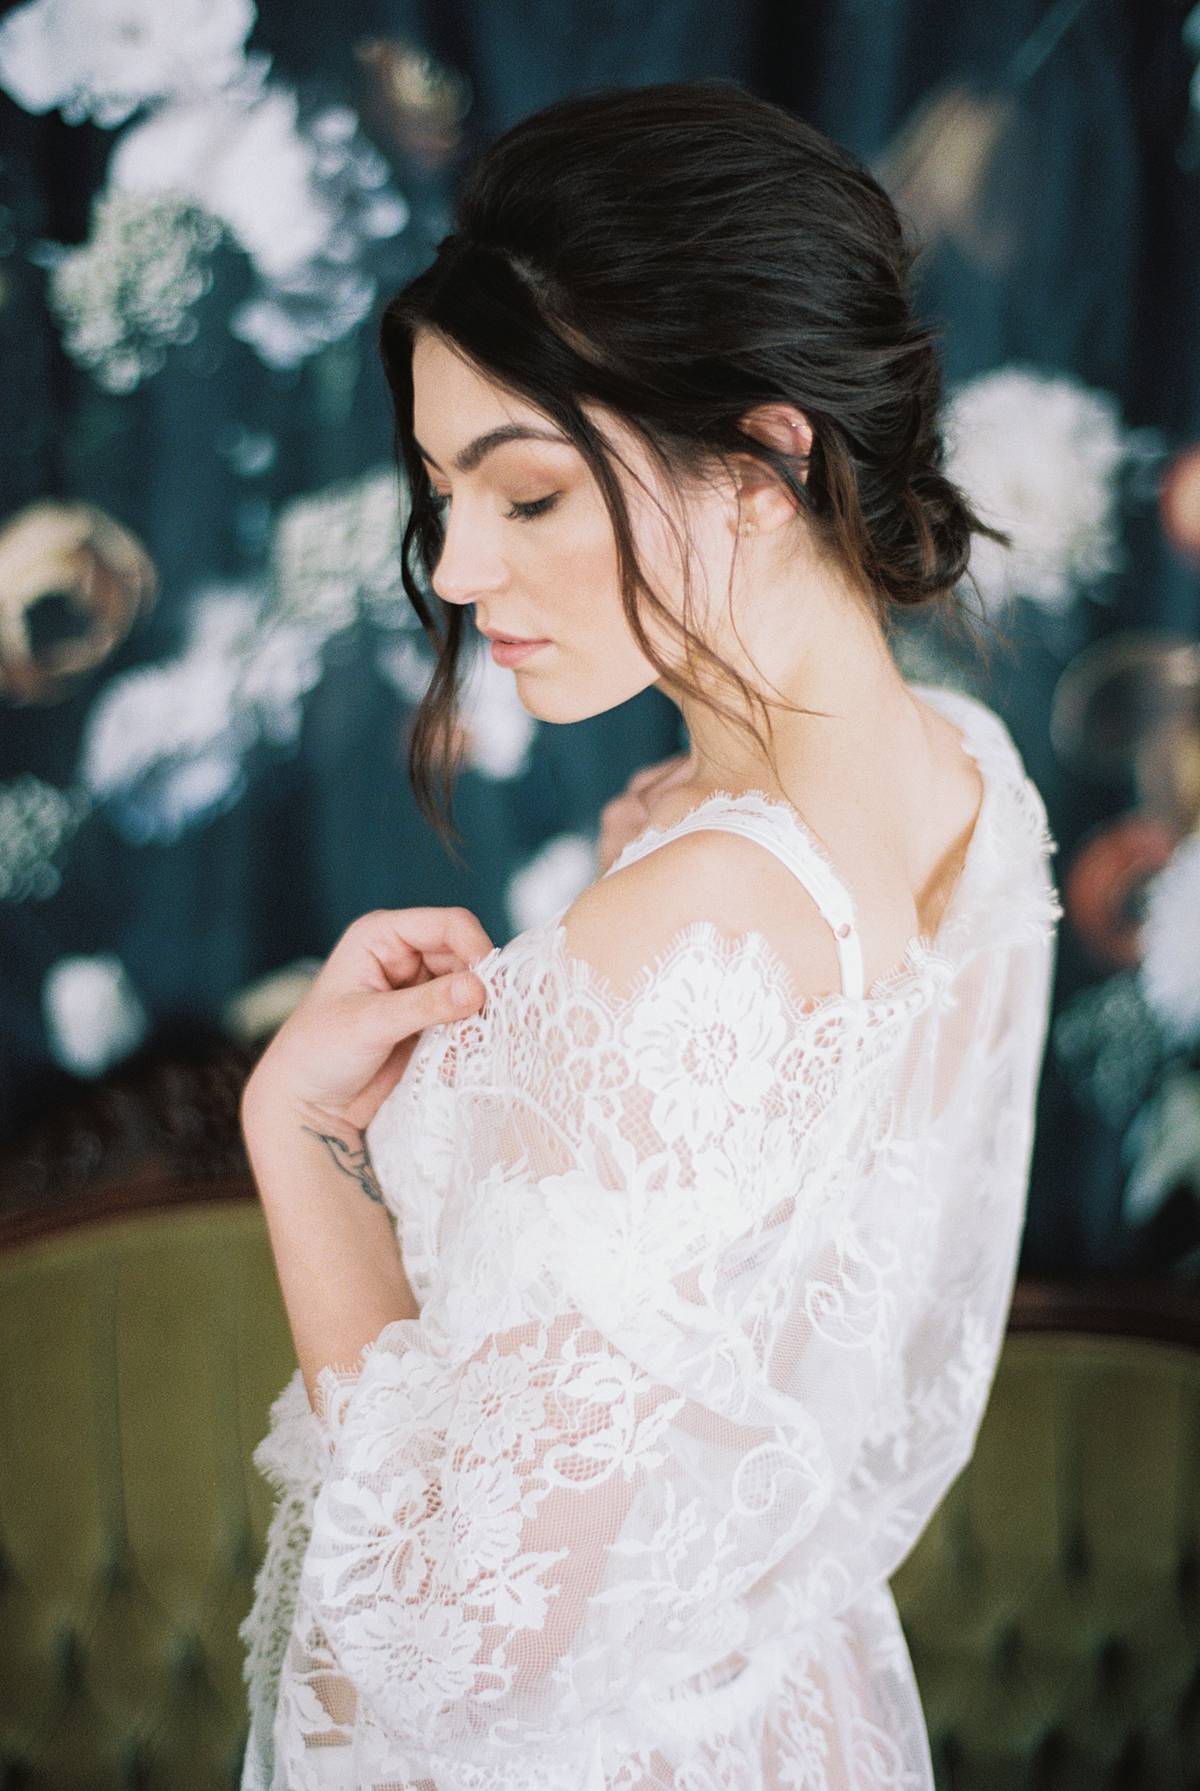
point(164, 745)
point(92, 1013)
point(336, 553)
point(1169, 972)
point(102, 59)
point(497, 728)
point(219, 140)
point(1162, 1146)
point(407, 666)
point(180, 709)
point(697, 1076)
point(551, 879)
point(36, 821)
point(500, 728)
point(1038, 456)
point(301, 201)
point(239, 156)
point(283, 664)
point(129, 291)
point(289, 321)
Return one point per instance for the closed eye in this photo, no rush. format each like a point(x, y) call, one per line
point(537, 508)
point(519, 512)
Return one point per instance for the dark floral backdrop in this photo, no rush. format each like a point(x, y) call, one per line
point(207, 664)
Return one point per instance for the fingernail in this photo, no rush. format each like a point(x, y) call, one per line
point(462, 990)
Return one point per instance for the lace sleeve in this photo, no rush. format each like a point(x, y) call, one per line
point(643, 1371)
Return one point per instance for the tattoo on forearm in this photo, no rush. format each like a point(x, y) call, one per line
point(354, 1163)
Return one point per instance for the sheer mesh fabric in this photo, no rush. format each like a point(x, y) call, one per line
point(713, 1280)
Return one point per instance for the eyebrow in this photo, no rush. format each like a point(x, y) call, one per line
point(469, 457)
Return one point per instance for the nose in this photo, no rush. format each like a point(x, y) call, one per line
point(467, 568)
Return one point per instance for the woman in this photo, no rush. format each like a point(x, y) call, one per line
point(708, 1190)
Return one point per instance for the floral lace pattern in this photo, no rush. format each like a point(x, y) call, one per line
point(713, 1280)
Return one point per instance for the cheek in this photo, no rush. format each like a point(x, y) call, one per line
point(679, 553)
point(573, 564)
point(598, 663)
point(574, 569)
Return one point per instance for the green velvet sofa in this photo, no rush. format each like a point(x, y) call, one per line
point(1052, 1605)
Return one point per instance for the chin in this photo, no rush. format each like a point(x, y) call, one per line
point(564, 706)
point(545, 705)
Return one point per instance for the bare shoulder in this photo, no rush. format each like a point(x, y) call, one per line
point(629, 919)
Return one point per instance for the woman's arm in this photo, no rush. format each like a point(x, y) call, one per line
point(335, 1249)
point(306, 1107)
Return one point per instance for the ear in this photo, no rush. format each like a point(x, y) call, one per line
point(763, 502)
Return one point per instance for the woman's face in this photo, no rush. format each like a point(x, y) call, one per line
point(550, 573)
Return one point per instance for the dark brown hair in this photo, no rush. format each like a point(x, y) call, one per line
point(681, 253)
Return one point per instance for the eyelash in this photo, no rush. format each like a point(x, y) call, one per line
point(518, 513)
point(537, 508)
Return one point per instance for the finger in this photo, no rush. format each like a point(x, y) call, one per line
point(620, 824)
point(652, 775)
point(680, 771)
point(673, 772)
point(405, 1011)
point(401, 940)
point(621, 811)
point(641, 778)
point(430, 930)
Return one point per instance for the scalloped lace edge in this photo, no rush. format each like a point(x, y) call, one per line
point(919, 964)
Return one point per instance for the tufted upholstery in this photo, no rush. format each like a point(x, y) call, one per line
point(138, 1359)
point(1052, 1606)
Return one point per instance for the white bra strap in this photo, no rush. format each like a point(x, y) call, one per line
point(828, 891)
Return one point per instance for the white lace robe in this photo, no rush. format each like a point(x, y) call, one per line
point(713, 1281)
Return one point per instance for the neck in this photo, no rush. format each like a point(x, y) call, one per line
point(823, 650)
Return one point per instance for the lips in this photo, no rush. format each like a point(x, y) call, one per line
point(514, 653)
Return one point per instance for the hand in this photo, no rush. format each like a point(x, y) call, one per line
point(347, 1044)
point(624, 816)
